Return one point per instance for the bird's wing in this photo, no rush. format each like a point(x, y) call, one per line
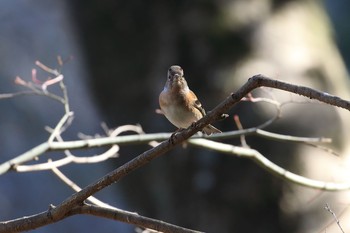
point(197, 104)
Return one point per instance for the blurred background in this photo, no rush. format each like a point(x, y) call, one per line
point(121, 52)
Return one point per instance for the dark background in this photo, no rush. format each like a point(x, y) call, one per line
point(122, 50)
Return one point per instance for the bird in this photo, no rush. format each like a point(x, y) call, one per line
point(179, 104)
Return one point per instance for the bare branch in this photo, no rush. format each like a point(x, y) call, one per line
point(33, 92)
point(12, 95)
point(47, 69)
point(132, 218)
point(180, 137)
point(268, 165)
point(69, 159)
point(75, 203)
point(45, 218)
point(328, 208)
point(59, 125)
point(240, 127)
point(132, 140)
point(289, 138)
point(261, 80)
point(76, 188)
point(103, 212)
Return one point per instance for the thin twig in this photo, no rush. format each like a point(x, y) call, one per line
point(65, 96)
point(268, 165)
point(110, 153)
point(131, 218)
point(32, 92)
point(240, 127)
point(137, 139)
point(328, 208)
point(47, 69)
point(289, 138)
point(21, 93)
point(261, 80)
point(70, 158)
point(137, 219)
point(59, 126)
point(76, 188)
point(323, 148)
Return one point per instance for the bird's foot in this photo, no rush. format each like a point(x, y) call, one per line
point(171, 139)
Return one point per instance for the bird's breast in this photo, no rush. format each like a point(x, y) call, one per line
point(177, 111)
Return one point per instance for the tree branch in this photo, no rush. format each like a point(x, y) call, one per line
point(75, 201)
point(268, 165)
point(178, 138)
point(261, 80)
point(131, 218)
point(45, 218)
point(132, 140)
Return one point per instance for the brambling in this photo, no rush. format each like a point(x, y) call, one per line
point(179, 104)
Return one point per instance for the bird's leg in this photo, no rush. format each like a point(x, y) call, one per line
point(194, 124)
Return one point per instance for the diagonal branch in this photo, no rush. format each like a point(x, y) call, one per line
point(75, 201)
point(105, 210)
point(261, 80)
point(165, 146)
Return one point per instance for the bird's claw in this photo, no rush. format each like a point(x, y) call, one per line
point(171, 139)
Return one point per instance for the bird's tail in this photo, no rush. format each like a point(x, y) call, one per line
point(209, 129)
